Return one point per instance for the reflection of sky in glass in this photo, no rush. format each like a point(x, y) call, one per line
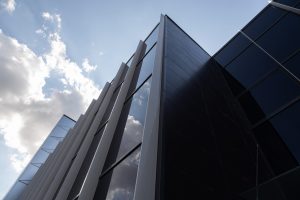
point(147, 67)
point(133, 130)
point(151, 39)
point(57, 134)
point(119, 183)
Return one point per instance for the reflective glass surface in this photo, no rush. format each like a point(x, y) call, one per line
point(275, 91)
point(129, 61)
point(263, 21)
point(283, 39)
point(284, 187)
point(293, 65)
point(130, 127)
point(287, 124)
point(251, 65)
point(57, 134)
point(119, 183)
point(152, 38)
point(144, 70)
point(274, 149)
point(232, 49)
point(288, 2)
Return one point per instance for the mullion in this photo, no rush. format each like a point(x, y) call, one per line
point(120, 160)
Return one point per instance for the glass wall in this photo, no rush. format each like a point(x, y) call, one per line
point(117, 180)
point(263, 74)
point(57, 134)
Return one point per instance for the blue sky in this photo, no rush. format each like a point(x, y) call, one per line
point(56, 55)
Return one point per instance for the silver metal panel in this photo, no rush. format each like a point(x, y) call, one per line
point(91, 181)
point(72, 174)
point(146, 175)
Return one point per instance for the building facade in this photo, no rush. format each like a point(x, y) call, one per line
point(177, 123)
point(55, 137)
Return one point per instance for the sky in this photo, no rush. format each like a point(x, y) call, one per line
point(56, 55)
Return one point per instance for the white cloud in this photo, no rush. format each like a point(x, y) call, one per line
point(27, 115)
point(101, 53)
point(87, 67)
point(8, 5)
point(55, 18)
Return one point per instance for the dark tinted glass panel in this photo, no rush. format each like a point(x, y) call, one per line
point(232, 49)
point(263, 21)
point(235, 86)
point(283, 39)
point(152, 38)
point(144, 70)
point(287, 124)
point(274, 148)
point(287, 2)
point(284, 187)
point(130, 128)
point(294, 65)
point(275, 91)
point(119, 183)
point(251, 107)
point(251, 65)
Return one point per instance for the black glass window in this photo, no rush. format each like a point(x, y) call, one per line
point(274, 149)
point(263, 21)
point(288, 2)
point(287, 124)
point(152, 38)
point(130, 126)
point(232, 49)
point(293, 65)
point(119, 183)
point(280, 44)
point(251, 65)
point(273, 92)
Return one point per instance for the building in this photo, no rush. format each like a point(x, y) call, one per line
point(177, 123)
point(56, 136)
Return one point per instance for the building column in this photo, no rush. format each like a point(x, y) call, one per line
point(74, 170)
point(146, 175)
point(90, 185)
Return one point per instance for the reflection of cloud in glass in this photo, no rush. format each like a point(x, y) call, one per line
point(142, 95)
point(132, 135)
point(119, 194)
point(121, 180)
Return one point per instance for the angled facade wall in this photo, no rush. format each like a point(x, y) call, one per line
point(177, 123)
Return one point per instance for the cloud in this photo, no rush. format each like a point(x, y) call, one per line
point(27, 113)
point(87, 67)
point(8, 5)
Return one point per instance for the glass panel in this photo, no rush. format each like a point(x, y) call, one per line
point(251, 65)
point(287, 2)
point(277, 90)
point(287, 124)
point(130, 60)
point(263, 21)
point(274, 149)
point(152, 38)
point(283, 39)
point(232, 49)
point(119, 183)
point(143, 71)
point(284, 187)
point(293, 65)
point(130, 126)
